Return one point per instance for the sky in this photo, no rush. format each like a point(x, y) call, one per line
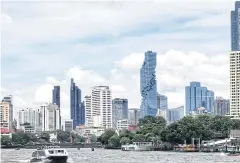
point(103, 43)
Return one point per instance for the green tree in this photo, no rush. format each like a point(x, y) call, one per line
point(5, 140)
point(45, 136)
point(125, 140)
point(107, 135)
point(139, 138)
point(63, 136)
point(93, 138)
point(114, 141)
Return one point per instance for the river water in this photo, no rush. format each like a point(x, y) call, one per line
point(118, 156)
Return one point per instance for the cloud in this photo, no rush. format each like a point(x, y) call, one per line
point(102, 43)
point(172, 77)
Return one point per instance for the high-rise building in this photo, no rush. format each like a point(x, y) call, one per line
point(82, 113)
point(221, 106)
point(122, 124)
point(99, 107)
point(67, 125)
point(28, 115)
point(120, 110)
point(56, 96)
point(148, 85)
point(235, 27)
point(175, 114)
point(197, 96)
point(4, 116)
point(235, 84)
point(133, 116)
point(50, 117)
point(9, 100)
point(76, 106)
point(162, 102)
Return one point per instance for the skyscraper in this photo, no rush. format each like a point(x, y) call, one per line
point(148, 85)
point(4, 116)
point(56, 96)
point(99, 107)
point(235, 27)
point(221, 106)
point(235, 84)
point(197, 96)
point(50, 117)
point(9, 100)
point(76, 105)
point(120, 110)
point(133, 116)
point(28, 115)
point(175, 114)
point(162, 102)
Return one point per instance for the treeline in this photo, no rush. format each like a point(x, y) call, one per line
point(154, 129)
point(21, 138)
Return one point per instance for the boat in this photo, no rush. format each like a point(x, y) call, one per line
point(233, 154)
point(17, 148)
point(138, 146)
point(50, 154)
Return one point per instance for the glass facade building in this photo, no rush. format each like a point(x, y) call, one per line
point(235, 27)
point(56, 96)
point(162, 102)
point(77, 109)
point(175, 114)
point(148, 85)
point(197, 96)
point(120, 110)
point(221, 106)
point(133, 116)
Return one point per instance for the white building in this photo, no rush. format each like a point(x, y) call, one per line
point(99, 107)
point(122, 124)
point(88, 131)
point(50, 117)
point(4, 115)
point(29, 129)
point(8, 99)
point(163, 113)
point(235, 84)
point(28, 115)
point(67, 125)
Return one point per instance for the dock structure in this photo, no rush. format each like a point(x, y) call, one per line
point(225, 145)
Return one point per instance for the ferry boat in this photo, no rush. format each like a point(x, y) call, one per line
point(50, 154)
point(138, 146)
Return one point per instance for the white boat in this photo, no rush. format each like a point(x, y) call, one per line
point(138, 146)
point(50, 154)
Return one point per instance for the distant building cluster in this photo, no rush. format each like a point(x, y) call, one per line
point(97, 111)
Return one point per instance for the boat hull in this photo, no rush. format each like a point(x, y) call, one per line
point(52, 159)
point(136, 148)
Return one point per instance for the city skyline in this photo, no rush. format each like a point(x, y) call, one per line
point(90, 66)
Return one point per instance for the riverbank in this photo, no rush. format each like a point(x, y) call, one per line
point(65, 145)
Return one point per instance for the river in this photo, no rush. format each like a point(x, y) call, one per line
point(118, 156)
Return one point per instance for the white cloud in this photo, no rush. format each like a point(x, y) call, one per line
point(171, 79)
point(25, 24)
point(75, 20)
point(131, 62)
point(44, 93)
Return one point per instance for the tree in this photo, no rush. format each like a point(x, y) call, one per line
point(125, 140)
point(77, 138)
point(126, 133)
point(45, 136)
point(93, 138)
point(5, 140)
point(63, 136)
point(139, 138)
point(107, 135)
point(114, 141)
